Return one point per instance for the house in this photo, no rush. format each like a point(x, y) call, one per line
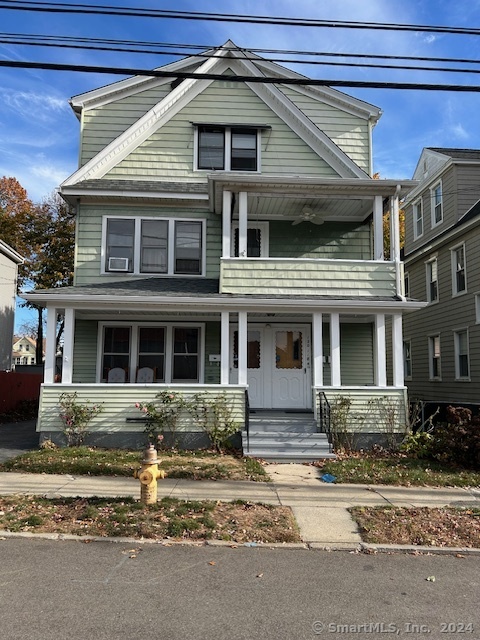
point(442, 235)
point(229, 239)
point(9, 261)
point(23, 351)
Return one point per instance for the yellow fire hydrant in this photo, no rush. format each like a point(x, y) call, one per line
point(148, 475)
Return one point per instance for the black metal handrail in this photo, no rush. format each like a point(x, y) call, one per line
point(324, 414)
point(247, 419)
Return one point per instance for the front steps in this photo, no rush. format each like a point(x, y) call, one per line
point(281, 436)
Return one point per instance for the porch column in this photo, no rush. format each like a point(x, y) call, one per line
point(380, 370)
point(335, 349)
point(51, 336)
point(68, 339)
point(226, 224)
point(395, 242)
point(378, 228)
point(397, 350)
point(317, 350)
point(242, 347)
point(242, 224)
point(225, 348)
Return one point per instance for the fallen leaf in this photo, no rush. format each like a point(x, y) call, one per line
point(212, 563)
point(459, 555)
point(260, 575)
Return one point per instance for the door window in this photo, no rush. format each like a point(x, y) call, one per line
point(253, 350)
point(288, 350)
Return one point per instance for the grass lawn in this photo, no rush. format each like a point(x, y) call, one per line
point(194, 465)
point(398, 469)
point(237, 521)
point(441, 527)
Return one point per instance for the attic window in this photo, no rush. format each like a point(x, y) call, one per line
point(222, 148)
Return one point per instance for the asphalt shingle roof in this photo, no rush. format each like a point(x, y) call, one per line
point(144, 185)
point(458, 154)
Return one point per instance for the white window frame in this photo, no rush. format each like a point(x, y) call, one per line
point(429, 281)
point(431, 346)
point(455, 270)
point(477, 308)
point(406, 284)
point(137, 247)
point(433, 189)
point(134, 333)
point(456, 344)
point(407, 343)
point(228, 147)
point(264, 238)
point(417, 207)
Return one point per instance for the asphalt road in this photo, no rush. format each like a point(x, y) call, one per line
point(52, 590)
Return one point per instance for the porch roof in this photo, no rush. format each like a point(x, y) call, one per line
point(200, 294)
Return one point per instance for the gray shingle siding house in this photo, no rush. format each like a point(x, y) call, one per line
point(229, 239)
point(9, 261)
point(442, 239)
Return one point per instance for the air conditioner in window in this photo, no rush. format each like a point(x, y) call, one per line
point(118, 264)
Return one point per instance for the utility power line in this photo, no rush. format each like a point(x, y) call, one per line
point(65, 7)
point(159, 73)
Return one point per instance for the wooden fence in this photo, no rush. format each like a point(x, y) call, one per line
point(15, 387)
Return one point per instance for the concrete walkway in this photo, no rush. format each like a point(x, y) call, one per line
point(320, 508)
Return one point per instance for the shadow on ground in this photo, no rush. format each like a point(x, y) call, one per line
point(17, 437)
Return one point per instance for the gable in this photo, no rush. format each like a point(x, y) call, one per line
point(429, 164)
point(168, 152)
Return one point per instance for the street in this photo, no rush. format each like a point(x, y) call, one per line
point(100, 590)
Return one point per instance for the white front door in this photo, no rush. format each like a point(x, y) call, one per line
point(278, 366)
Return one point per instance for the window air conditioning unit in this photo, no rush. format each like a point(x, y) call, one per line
point(118, 264)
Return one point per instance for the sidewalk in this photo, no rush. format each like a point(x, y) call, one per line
point(319, 508)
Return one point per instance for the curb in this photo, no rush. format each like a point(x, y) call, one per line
point(362, 547)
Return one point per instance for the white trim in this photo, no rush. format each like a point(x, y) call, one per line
point(429, 279)
point(227, 148)
point(49, 365)
point(431, 345)
point(336, 378)
point(408, 342)
point(417, 205)
point(407, 291)
point(242, 347)
point(68, 342)
point(397, 351)
point(137, 246)
point(380, 364)
point(378, 253)
point(242, 223)
point(225, 348)
point(7, 250)
point(456, 344)
point(453, 263)
point(317, 330)
point(264, 228)
point(226, 224)
point(133, 353)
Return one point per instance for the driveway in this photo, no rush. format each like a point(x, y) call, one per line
point(17, 437)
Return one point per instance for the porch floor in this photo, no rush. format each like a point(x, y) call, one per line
point(285, 436)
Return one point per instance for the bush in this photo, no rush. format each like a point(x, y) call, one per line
point(458, 440)
point(418, 445)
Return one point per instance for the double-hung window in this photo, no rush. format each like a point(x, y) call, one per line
point(462, 359)
point(407, 359)
point(417, 219)
point(432, 280)
point(154, 246)
point(437, 204)
point(434, 357)
point(227, 148)
point(459, 280)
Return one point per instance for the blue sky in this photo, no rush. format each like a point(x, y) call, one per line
point(39, 132)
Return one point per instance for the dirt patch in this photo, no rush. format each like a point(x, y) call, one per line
point(440, 527)
point(170, 518)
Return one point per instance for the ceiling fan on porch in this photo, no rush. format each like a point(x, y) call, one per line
point(309, 215)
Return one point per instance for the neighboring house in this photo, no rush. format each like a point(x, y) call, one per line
point(24, 349)
point(229, 239)
point(442, 240)
point(9, 261)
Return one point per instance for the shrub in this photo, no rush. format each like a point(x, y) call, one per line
point(458, 440)
point(76, 417)
point(418, 445)
point(162, 415)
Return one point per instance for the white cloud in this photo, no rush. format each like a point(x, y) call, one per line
point(29, 104)
point(459, 131)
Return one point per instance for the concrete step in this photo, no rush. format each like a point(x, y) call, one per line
point(296, 446)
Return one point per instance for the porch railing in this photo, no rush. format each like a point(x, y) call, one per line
point(324, 414)
point(247, 418)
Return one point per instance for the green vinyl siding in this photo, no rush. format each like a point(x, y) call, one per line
point(85, 351)
point(118, 402)
point(212, 347)
point(89, 233)
point(347, 241)
point(356, 354)
point(349, 132)
point(168, 152)
point(105, 123)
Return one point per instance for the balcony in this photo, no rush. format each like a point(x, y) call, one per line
point(308, 277)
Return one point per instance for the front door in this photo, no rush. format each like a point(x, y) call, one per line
point(278, 366)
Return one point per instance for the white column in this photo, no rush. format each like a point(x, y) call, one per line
point(225, 348)
point(226, 224)
point(242, 347)
point(242, 224)
point(68, 340)
point(397, 350)
point(378, 228)
point(335, 349)
point(49, 371)
point(380, 369)
point(317, 350)
point(395, 242)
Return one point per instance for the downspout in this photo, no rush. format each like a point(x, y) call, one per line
point(396, 243)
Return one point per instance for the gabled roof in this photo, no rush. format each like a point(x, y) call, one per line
point(225, 58)
point(457, 154)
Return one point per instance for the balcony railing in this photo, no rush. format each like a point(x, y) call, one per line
point(309, 277)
